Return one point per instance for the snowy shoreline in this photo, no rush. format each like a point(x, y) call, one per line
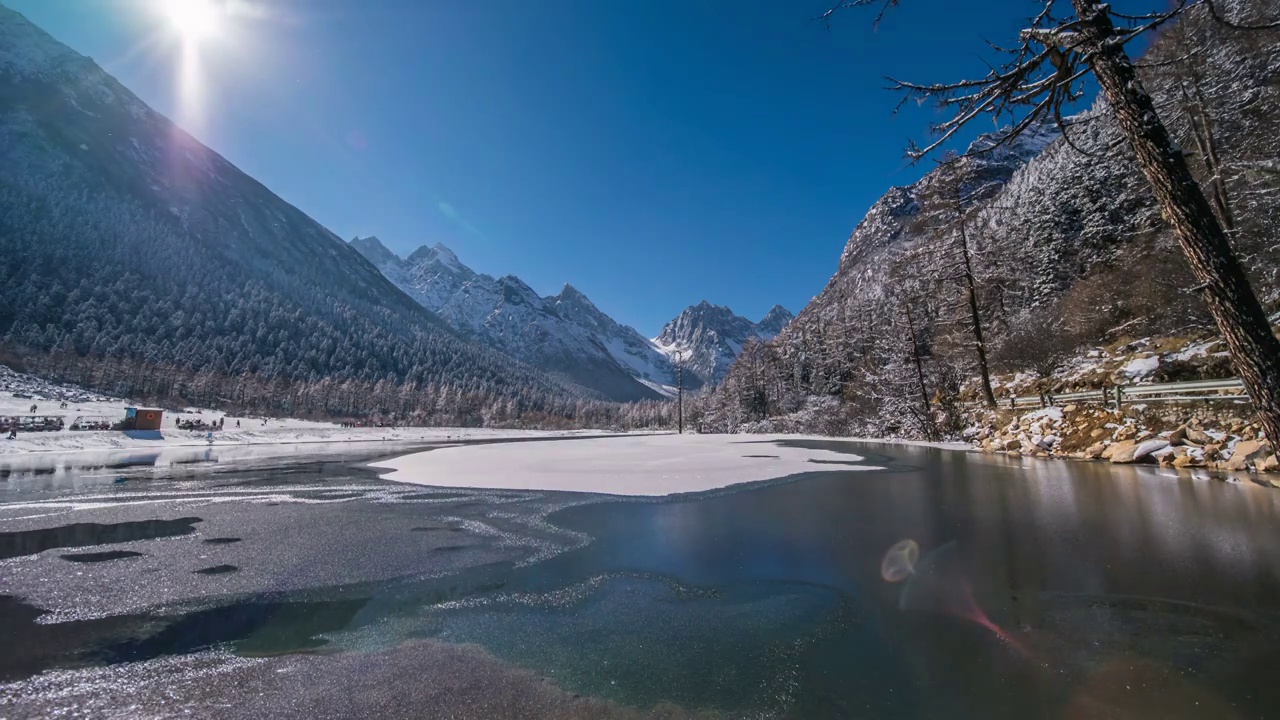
point(66, 441)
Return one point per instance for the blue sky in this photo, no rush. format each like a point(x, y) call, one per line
point(652, 153)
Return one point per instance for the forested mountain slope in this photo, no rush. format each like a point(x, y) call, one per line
point(134, 257)
point(1059, 239)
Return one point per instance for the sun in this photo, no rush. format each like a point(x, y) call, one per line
point(194, 20)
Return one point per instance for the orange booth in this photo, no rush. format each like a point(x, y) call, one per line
point(142, 418)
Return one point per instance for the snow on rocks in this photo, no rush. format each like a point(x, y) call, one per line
point(1141, 367)
point(1194, 435)
point(634, 465)
point(1172, 437)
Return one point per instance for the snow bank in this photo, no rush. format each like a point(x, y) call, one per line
point(276, 432)
point(18, 392)
point(633, 465)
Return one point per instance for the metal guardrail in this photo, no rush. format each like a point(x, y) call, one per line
point(1119, 394)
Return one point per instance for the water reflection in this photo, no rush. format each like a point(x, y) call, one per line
point(1077, 562)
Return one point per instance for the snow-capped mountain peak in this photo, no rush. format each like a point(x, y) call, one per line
point(707, 338)
point(566, 332)
point(437, 254)
point(773, 322)
point(374, 251)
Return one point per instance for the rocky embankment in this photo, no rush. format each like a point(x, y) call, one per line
point(1190, 437)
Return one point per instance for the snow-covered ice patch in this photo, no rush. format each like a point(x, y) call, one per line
point(640, 465)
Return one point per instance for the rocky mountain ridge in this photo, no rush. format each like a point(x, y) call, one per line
point(708, 338)
point(566, 333)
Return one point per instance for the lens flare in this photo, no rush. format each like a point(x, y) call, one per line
point(936, 583)
point(900, 561)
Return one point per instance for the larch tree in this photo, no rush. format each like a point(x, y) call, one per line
point(1065, 43)
point(946, 204)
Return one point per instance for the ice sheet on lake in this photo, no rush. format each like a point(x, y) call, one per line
point(641, 465)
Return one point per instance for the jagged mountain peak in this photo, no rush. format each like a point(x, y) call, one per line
point(773, 322)
point(775, 312)
point(438, 253)
point(707, 337)
point(566, 332)
point(573, 303)
point(518, 285)
point(374, 251)
point(570, 292)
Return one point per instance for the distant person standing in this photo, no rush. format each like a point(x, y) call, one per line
point(237, 423)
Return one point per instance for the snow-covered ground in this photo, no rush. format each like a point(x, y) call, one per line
point(48, 397)
point(275, 432)
point(633, 465)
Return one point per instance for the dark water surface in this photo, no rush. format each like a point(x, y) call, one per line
point(1042, 589)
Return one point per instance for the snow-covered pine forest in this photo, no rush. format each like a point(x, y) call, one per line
point(1059, 239)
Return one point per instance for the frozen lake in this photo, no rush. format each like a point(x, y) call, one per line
point(304, 585)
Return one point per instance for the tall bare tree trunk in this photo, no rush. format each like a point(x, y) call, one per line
point(926, 417)
point(1254, 349)
point(976, 318)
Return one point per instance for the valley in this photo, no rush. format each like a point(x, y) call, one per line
point(1015, 459)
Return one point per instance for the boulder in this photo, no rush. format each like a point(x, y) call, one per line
point(1247, 452)
point(1270, 464)
point(1126, 432)
point(1199, 437)
point(1187, 461)
point(1013, 444)
point(1097, 433)
point(1095, 451)
point(1177, 437)
point(1118, 447)
point(1139, 452)
point(1069, 409)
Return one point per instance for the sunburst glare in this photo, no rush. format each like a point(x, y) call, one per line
point(194, 20)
